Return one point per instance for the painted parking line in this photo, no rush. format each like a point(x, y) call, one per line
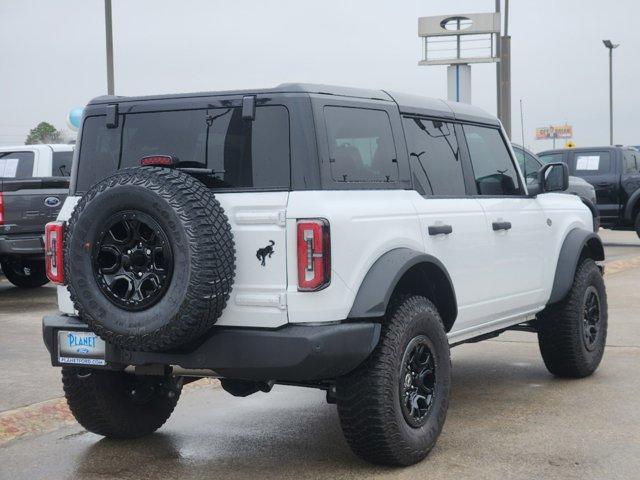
point(53, 414)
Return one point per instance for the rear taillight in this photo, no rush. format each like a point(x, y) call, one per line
point(1, 209)
point(314, 255)
point(53, 245)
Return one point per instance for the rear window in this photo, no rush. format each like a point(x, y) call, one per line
point(62, 164)
point(242, 154)
point(16, 164)
point(591, 163)
point(361, 146)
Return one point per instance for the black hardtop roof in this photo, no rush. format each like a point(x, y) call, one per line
point(412, 104)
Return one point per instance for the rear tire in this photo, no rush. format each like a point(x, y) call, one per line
point(637, 224)
point(25, 273)
point(386, 411)
point(573, 332)
point(117, 404)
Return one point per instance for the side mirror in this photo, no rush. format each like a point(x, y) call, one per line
point(554, 177)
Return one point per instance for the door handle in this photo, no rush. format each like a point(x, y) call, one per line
point(602, 184)
point(440, 229)
point(501, 226)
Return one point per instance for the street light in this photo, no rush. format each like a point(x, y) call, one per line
point(610, 45)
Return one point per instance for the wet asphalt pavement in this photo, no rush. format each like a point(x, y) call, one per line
point(508, 417)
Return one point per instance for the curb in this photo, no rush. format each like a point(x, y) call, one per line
point(50, 415)
point(618, 266)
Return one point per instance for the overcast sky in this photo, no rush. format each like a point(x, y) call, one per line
point(52, 55)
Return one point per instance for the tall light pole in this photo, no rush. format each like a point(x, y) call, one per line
point(109, 31)
point(610, 45)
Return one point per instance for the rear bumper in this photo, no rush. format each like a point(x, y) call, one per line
point(22, 245)
point(291, 353)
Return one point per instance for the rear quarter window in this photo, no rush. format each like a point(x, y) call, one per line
point(99, 152)
point(361, 145)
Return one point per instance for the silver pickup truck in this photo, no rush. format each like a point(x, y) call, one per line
point(34, 182)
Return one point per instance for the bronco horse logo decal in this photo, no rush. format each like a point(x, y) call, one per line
point(265, 252)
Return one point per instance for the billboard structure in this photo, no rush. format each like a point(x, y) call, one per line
point(554, 131)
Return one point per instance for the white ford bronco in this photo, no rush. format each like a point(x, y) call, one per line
point(334, 238)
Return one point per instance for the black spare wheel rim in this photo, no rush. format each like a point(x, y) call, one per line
point(591, 318)
point(149, 259)
point(417, 381)
point(132, 260)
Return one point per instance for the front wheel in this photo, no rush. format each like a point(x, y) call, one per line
point(118, 404)
point(637, 224)
point(25, 273)
point(392, 408)
point(573, 332)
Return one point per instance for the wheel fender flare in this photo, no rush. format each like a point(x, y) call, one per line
point(382, 278)
point(634, 199)
point(570, 253)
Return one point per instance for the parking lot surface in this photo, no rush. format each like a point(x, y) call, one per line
point(509, 418)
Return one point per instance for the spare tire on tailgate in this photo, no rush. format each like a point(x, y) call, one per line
point(149, 258)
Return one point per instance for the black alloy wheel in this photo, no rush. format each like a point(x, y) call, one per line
point(417, 381)
point(591, 318)
point(132, 260)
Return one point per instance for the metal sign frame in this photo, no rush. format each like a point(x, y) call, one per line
point(462, 34)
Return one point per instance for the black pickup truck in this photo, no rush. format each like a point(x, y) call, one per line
point(34, 182)
point(615, 174)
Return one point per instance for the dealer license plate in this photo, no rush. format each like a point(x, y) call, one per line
point(80, 348)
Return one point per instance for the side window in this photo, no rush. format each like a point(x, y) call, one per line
point(433, 149)
point(493, 168)
point(62, 164)
point(361, 146)
point(99, 152)
point(592, 163)
point(16, 165)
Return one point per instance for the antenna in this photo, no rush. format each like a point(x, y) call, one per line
point(524, 157)
point(522, 123)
